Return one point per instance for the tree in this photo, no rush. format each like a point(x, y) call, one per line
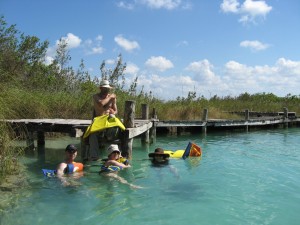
point(20, 55)
point(63, 75)
point(114, 76)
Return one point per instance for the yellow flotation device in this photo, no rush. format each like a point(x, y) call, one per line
point(103, 122)
point(176, 154)
point(192, 150)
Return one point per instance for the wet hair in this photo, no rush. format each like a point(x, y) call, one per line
point(71, 148)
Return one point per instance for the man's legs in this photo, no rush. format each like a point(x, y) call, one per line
point(94, 146)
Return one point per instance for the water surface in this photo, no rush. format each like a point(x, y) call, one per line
point(242, 178)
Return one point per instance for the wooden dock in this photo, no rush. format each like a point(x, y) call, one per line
point(146, 128)
point(76, 128)
point(251, 119)
point(73, 127)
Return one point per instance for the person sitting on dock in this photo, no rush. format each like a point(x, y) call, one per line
point(104, 104)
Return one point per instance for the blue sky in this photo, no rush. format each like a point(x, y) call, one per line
point(213, 47)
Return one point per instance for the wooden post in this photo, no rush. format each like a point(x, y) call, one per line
point(286, 117)
point(179, 130)
point(154, 115)
point(153, 128)
point(204, 119)
point(41, 145)
point(247, 118)
point(145, 116)
point(129, 115)
point(30, 143)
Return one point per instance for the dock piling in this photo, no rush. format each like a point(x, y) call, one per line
point(145, 116)
point(41, 145)
point(129, 115)
point(247, 119)
point(153, 128)
point(286, 116)
point(204, 119)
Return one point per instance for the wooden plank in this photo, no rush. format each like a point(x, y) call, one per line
point(244, 123)
point(133, 132)
point(180, 123)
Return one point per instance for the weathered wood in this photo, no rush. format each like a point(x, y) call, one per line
point(41, 144)
point(76, 128)
point(262, 114)
point(285, 117)
point(145, 116)
point(246, 119)
point(129, 115)
point(183, 123)
point(153, 129)
point(247, 114)
point(30, 143)
point(225, 123)
point(154, 115)
point(205, 115)
point(136, 131)
point(204, 118)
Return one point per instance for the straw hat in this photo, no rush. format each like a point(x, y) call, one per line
point(105, 84)
point(160, 152)
point(113, 148)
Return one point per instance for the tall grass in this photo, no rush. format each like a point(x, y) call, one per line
point(9, 154)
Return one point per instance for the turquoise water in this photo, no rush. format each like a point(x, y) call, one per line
point(242, 178)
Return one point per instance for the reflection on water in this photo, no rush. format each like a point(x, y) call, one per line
point(242, 178)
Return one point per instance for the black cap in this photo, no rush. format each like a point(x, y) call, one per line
point(71, 148)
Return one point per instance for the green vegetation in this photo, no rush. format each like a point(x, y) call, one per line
point(31, 89)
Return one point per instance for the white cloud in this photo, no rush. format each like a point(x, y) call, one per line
point(230, 6)
point(158, 4)
point(50, 55)
point(234, 79)
point(72, 40)
point(250, 10)
point(159, 63)
point(182, 43)
point(274, 79)
point(48, 60)
point(110, 61)
point(96, 50)
point(167, 87)
point(289, 68)
point(254, 45)
point(255, 8)
point(126, 44)
point(99, 38)
point(203, 71)
point(92, 47)
point(131, 69)
point(125, 5)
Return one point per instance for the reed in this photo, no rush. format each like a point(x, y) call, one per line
point(9, 154)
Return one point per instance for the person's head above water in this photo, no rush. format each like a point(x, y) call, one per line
point(70, 153)
point(71, 148)
point(159, 157)
point(113, 149)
